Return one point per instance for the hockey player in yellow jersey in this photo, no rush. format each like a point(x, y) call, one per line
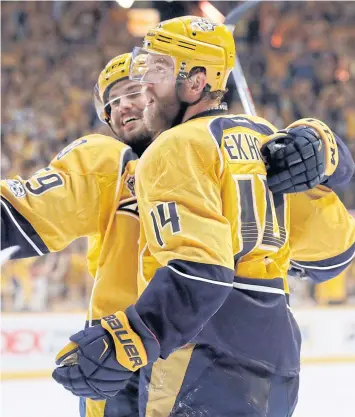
point(88, 190)
point(215, 247)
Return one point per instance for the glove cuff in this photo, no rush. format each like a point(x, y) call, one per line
point(135, 345)
point(150, 341)
point(328, 139)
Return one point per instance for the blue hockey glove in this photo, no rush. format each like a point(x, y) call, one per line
point(99, 360)
point(296, 160)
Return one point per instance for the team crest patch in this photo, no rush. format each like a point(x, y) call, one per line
point(130, 185)
point(16, 188)
point(204, 25)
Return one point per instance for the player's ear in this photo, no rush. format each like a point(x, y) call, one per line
point(198, 82)
point(195, 85)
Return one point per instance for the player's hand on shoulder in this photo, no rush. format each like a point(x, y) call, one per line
point(295, 159)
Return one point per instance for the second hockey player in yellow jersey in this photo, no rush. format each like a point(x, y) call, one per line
point(88, 190)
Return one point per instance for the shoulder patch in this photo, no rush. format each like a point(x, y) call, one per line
point(16, 188)
point(130, 182)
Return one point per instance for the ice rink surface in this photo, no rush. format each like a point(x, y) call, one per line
point(326, 391)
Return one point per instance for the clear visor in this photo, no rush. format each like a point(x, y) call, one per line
point(103, 109)
point(99, 106)
point(150, 67)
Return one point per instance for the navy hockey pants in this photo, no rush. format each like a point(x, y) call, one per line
point(198, 382)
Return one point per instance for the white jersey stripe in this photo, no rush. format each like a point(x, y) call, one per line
point(210, 281)
point(323, 267)
point(259, 288)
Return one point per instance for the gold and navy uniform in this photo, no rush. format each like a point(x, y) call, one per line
point(215, 248)
point(87, 190)
point(216, 245)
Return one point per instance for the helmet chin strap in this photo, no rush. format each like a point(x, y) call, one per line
point(108, 121)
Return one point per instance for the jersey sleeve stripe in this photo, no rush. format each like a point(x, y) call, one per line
point(330, 263)
point(276, 284)
point(259, 288)
point(17, 225)
point(320, 271)
point(200, 278)
point(216, 274)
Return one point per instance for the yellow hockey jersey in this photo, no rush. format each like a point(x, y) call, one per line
point(216, 245)
point(87, 190)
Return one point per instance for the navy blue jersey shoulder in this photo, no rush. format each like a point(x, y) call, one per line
point(218, 125)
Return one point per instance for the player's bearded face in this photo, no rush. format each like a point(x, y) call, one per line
point(162, 103)
point(162, 107)
point(127, 104)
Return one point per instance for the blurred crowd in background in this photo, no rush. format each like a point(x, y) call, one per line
point(299, 61)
